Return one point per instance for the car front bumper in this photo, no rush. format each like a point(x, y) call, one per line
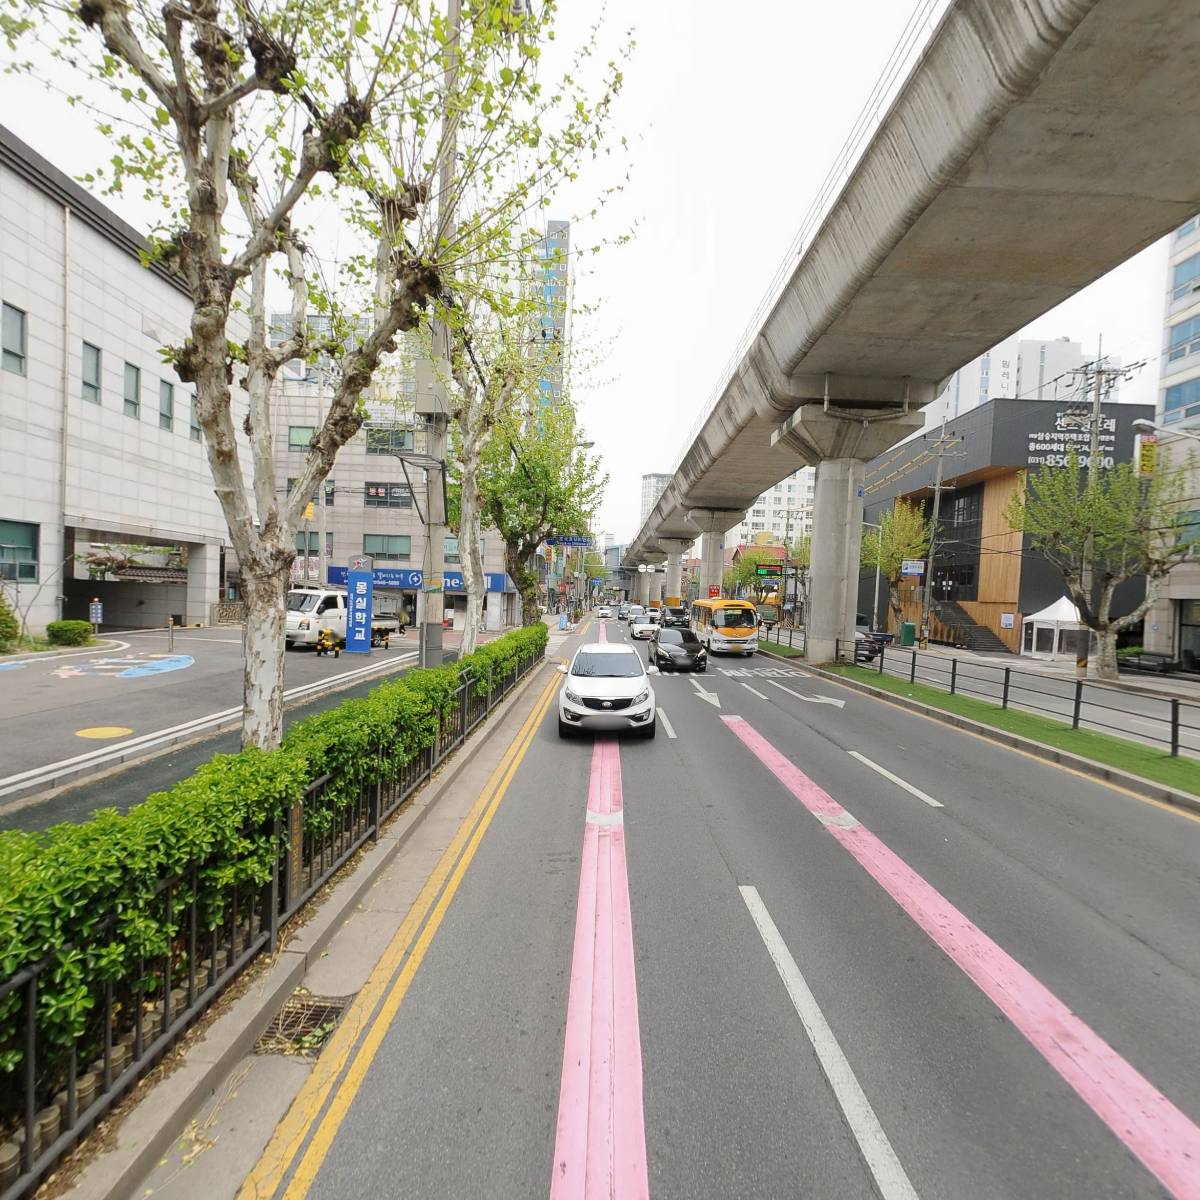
point(598, 720)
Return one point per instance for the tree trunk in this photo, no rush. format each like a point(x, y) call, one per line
point(525, 581)
point(468, 539)
point(1106, 658)
point(262, 696)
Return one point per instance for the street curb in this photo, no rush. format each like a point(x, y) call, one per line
point(147, 1132)
point(1086, 766)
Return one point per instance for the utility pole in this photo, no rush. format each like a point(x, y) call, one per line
point(1083, 646)
point(927, 591)
point(433, 583)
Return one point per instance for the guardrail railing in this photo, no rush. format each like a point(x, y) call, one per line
point(191, 942)
point(1166, 721)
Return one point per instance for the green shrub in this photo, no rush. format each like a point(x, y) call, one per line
point(214, 830)
point(10, 627)
point(69, 633)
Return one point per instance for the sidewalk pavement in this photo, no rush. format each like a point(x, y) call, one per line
point(1183, 687)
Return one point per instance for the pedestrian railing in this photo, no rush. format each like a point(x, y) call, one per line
point(794, 637)
point(1165, 721)
point(190, 938)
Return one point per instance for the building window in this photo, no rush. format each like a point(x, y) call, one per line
point(12, 339)
point(313, 543)
point(18, 551)
point(166, 405)
point(394, 547)
point(133, 390)
point(1186, 228)
point(89, 370)
point(388, 495)
point(1184, 339)
point(1181, 400)
point(195, 422)
point(1185, 277)
point(388, 441)
point(330, 490)
point(299, 436)
point(450, 549)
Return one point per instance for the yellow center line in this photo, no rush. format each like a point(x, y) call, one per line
point(310, 1102)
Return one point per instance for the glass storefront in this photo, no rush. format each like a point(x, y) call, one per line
point(1189, 634)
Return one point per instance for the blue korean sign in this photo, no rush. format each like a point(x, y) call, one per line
point(568, 541)
point(396, 579)
point(358, 612)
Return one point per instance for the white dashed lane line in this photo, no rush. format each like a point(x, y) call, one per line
point(924, 797)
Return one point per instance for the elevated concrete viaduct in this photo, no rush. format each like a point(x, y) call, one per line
point(1035, 145)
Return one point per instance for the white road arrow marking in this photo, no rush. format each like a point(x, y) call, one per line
point(711, 697)
point(808, 699)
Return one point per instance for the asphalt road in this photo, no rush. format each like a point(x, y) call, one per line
point(742, 961)
point(55, 708)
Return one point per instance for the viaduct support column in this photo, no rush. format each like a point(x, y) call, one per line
point(675, 549)
point(713, 523)
point(841, 446)
point(643, 588)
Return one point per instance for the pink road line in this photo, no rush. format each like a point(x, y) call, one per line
point(602, 634)
point(1165, 1140)
point(600, 1144)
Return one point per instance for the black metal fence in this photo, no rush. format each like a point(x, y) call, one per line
point(200, 939)
point(794, 637)
point(1165, 721)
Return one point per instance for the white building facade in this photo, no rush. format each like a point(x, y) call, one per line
point(376, 504)
point(1172, 626)
point(785, 512)
point(98, 441)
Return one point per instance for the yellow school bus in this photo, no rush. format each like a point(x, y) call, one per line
point(726, 626)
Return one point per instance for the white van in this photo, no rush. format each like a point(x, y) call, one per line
point(311, 608)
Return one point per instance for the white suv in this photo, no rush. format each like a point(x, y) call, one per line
point(606, 688)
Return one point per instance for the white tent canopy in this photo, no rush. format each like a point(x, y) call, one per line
point(1055, 632)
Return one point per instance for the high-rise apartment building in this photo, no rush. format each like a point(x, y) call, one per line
point(1016, 368)
point(1172, 626)
point(653, 486)
point(554, 285)
point(784, 511)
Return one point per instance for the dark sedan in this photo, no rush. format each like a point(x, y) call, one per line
point(677, 650)
point(677, 617)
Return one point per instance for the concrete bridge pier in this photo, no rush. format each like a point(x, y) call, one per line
point(713, 523)
point(676, 548)
point(841, 445)
point(642, 588)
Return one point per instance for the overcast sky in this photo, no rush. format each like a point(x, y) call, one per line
point(734, 114)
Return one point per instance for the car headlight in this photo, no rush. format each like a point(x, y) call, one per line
point(572, 698)
point(643, 697)
point(303, 624)
point(702, 654)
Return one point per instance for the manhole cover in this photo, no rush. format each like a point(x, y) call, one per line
point(302, 1025)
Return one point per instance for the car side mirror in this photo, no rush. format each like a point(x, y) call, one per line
point(561, 668)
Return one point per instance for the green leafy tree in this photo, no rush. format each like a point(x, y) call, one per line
point(1116, 523)
point(414, 142)
point(745, 571)
point(535, 482)
point(10, 627)
point(903, 532)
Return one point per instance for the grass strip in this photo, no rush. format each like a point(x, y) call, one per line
point(782, 650)
point(1180, 773)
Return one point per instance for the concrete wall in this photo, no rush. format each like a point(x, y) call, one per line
point(128, 605)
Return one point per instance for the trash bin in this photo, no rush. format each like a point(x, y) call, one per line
point(908, 633)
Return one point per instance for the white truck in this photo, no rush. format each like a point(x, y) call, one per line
point(311, 608)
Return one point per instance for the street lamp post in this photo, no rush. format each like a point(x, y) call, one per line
point(878, 557)
point(1154, 427)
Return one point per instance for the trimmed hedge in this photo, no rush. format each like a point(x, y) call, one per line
point(69, 633)
point(57, 887)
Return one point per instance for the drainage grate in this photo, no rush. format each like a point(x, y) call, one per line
point(302, 1025)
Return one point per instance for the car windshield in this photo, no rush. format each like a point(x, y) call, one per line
point(636, 610)
point(607, 666)
point(677, 612)
point(734, 618)
point(302, 601)
point(679, 637)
